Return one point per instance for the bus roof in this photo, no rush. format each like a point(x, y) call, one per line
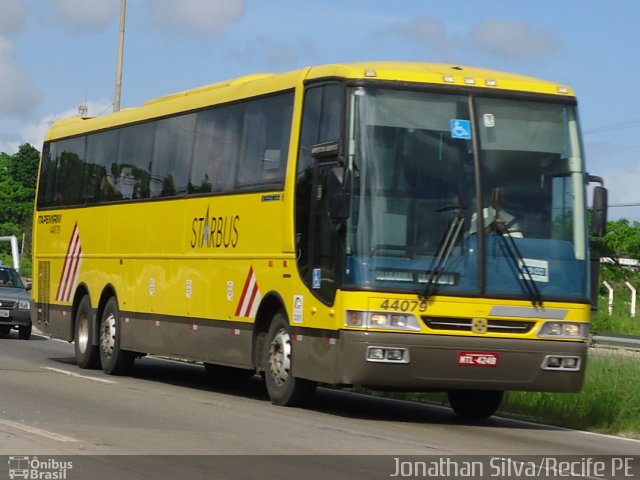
point(259, 84)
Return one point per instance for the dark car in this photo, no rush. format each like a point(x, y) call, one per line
point(15, 304)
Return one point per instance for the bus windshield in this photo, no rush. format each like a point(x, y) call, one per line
point(421, 179)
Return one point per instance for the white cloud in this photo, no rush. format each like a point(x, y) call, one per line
point(18, 96)
point(264, 51)
point(425, 29)
point(12, 20)
point(88, 15)
point(514, 39)
point(34, 133)
point(501, 38)
point(207, 17)
point(9, 147)
point(430, 32)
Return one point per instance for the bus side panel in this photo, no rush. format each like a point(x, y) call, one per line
point(60, 323)
point(316, 356)
point(206, 341)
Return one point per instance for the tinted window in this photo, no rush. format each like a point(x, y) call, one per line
point(172, 155)
point(65, 172)
point(134, 160)
point(243, 146)
point(215, 152)
point(102, 166)
point(266, 129)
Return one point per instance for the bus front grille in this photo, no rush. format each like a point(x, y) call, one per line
point(467, 325)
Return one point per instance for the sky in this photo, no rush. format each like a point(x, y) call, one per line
point(58, 54)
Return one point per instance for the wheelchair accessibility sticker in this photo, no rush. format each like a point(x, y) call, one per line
point(461, 129)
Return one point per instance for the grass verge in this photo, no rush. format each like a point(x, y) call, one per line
point(620, 320)
point(609, 402)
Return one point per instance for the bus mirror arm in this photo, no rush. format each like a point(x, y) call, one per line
point(599, 209)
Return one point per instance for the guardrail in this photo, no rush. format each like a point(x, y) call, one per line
point(615, 340)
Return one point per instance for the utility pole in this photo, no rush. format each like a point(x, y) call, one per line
point(116, 101)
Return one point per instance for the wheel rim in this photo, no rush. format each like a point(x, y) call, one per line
point(83, 334)
point(280, 357)
point(108, 335)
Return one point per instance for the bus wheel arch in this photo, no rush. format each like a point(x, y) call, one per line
point(84, 330)
point(271, 304)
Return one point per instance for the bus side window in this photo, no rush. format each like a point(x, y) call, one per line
point(102, 159)
point(215, 150)
point(134, 157)
point(66, 172)
point(172, 155)
point(265, 140)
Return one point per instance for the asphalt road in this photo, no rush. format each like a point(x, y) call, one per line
point(169, 418)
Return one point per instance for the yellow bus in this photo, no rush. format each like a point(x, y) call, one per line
point(321, 226)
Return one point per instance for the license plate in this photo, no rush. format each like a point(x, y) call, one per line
point(4, 313)
point(478, 359)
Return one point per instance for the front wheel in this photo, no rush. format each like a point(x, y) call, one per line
point(24, 332)
point(283, 388)
point(114, 360)
point(475, 404)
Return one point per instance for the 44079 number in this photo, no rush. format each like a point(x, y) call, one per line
point(396, 305)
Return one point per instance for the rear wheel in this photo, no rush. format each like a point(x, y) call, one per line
point(476, 404)
point(114, 360)
point(87, 355)
point(283, 388)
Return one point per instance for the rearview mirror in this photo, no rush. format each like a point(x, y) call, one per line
point(599, 212)
point(339, 194)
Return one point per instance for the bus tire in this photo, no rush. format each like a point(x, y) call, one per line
point(113, 359)
point(87, 355)
point(475, 404)
point(283, 388)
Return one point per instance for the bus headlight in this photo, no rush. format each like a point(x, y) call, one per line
point(382, 320)
point(564, 330)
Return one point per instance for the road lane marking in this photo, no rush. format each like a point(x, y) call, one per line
point(77, 375)
point(37, 431)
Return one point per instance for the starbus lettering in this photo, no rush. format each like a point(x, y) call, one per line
point(211, 231)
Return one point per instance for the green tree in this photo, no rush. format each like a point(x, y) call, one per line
point(621, 241)
point(18, 176)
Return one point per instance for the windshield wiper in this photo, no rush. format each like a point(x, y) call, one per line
point(520, 266)
point(442, 257)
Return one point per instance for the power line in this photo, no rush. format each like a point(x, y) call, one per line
point(619, 205)
point(625, 124)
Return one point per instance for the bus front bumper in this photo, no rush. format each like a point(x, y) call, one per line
point(417, 362)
